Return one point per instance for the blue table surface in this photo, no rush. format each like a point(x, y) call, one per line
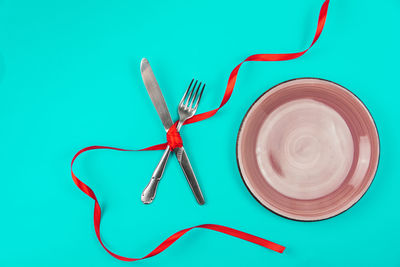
point(69, 78)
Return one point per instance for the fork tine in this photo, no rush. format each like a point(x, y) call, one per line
point(187, 90)
point(198, 99)
point(195, 94)
point(190, 95)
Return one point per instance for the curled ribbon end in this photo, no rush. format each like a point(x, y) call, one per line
point(174, 139)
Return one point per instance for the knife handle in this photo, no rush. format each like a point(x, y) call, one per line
point(189, 174)
point(149, 192)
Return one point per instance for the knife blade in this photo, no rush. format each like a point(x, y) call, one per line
point(154, 91)
point(157, 98)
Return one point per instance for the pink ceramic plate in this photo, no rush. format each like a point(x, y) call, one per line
point(308, 149)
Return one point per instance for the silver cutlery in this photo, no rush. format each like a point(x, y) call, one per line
point(186, 110)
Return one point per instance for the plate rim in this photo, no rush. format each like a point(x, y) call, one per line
point(240, 129)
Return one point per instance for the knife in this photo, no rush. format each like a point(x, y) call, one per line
point(157, 98)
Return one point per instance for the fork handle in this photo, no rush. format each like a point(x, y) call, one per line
point(149, 192)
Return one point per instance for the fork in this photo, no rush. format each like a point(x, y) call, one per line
point(186, 110)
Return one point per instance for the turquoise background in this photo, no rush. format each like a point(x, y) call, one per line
point(69, 78)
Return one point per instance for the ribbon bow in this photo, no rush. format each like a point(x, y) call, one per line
point(174, 139)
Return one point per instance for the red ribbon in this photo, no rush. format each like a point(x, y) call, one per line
point(174, 140)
